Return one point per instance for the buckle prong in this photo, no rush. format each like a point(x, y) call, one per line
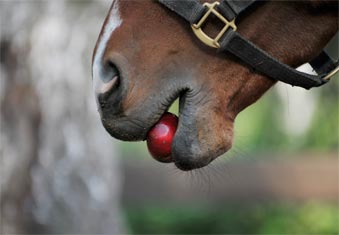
point(331, 74)
point(212, 42)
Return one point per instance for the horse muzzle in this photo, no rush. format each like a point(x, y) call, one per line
point(201, 136)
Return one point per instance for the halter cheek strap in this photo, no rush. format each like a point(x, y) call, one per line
point(228, 40)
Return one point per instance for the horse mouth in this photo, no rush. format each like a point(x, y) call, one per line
point(192, 146)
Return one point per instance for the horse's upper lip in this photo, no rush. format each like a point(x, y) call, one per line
point(132, 126)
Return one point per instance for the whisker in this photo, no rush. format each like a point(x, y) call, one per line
point(174, 170)
point(217, 171)
point(224, 170)
point(206, 171)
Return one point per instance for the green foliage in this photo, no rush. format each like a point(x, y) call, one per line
point(309, 218)
point(259, 129)
point(323, 134)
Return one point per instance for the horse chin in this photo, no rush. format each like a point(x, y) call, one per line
point(191, 151)
point(202, 135)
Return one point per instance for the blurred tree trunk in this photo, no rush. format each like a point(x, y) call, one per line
point(59, 168)
point(20, 121)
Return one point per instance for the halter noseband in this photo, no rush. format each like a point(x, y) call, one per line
point(228, 40)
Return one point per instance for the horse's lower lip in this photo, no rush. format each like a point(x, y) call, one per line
point(188, 149)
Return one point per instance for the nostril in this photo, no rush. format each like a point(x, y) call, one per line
point(109, 79)
point(112, 72)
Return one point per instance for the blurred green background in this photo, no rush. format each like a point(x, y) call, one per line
point(270, 218)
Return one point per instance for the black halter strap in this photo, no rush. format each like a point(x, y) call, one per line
point(232, 8)
point(230, 41)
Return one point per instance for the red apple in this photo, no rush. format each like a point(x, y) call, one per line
point(160, 137)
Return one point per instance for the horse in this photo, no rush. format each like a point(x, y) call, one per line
point(146, 57)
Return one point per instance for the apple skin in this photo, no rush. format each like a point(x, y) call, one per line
point(160, 137)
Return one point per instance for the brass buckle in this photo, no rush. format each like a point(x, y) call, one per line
point(331, 74)
point(212, 42)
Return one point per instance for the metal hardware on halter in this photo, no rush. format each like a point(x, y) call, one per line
point(331, 74)
point(212, 42)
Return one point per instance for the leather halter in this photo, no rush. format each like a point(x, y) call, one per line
point(228, 40)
